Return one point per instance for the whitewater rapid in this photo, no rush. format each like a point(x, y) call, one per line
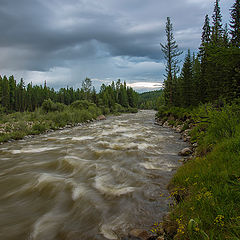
point(95, 181)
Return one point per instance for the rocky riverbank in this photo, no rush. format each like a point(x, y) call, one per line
point(168, 228)
point(10, 132)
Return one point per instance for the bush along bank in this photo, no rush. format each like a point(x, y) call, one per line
point(206, 189)
point(52, 116)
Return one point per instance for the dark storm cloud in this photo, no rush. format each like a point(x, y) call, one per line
point(38, 35)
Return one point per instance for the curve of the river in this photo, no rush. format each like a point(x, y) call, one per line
point(92, 182)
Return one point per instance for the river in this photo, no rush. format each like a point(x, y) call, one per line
point(92, 182)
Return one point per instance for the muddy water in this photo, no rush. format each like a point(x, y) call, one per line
point(91, 182)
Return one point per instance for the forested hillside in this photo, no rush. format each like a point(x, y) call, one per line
point(151, 100)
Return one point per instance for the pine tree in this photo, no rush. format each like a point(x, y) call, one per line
point(5, 94)
point(196, 81)
point(206, 36)
point(12, 92)
point(217, 24)
point(187, 81)
point(1, 90)
point(225, 36)
point(235, 23)
point(21, 96)
point(171, 52)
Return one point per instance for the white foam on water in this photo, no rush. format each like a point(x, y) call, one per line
point(83, 138)
point(45, 177)
point(123, 146)
point(47, 226)
point(107, 232)
point(116, 223)
point(143, 146)
point(104, 185)
point(33, 150)
point(153, 166)
point(57, 138)
point(78, 190)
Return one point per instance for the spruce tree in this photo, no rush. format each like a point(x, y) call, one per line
point(171, 52)
point(1, 90)
point(5, 94)
point(235, 24)
point(196, 81)
point(206, 33)
point(187, 81)
point(225, 36)
point(217, 24)
point(12, 92)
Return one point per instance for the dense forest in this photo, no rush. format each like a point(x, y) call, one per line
point(18, 97)
point(202, 103)
point(212, 75)
point(151, 100)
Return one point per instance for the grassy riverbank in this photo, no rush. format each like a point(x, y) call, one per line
point(207, 187)
point(51, 116)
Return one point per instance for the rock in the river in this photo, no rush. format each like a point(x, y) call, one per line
point(195, 144)
point(185, 152)
point(140, 234)
point(101, 117)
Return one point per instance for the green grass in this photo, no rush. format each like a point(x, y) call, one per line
point(210, 208)
point(51, 116)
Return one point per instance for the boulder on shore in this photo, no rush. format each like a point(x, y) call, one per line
point(139, 234)
point(101, 117)
point(185, 152)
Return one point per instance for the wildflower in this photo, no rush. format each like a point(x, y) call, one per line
point(181, 227)
point(197, 229)
point(199, 197)
point(208, 195)
point(219, 220)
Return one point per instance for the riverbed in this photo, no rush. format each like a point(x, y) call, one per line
point(92, 182)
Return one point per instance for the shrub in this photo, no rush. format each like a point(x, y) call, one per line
point(50, 106)
point(82, 104)
point(39, 127)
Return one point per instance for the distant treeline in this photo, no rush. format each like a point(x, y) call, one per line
point(213, 75)
point(151, 100)
point(18, 97)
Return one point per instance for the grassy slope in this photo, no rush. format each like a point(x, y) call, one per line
point(211, 181)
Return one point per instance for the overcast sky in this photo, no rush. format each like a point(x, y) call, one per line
point(63, 42)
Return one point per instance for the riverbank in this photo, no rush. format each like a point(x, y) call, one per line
point(16, 126)
point(205, 189)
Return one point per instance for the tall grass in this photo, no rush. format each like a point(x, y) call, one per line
point(211, 181)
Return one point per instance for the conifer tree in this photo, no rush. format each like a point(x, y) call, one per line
point(187, 81)
point(1, 90)
point(171, 52)
point(235, 24)
point(225, 36)
point(217, 24)
point(12, 92)
point(5, 94)
point(206, 36)
point(196, 81)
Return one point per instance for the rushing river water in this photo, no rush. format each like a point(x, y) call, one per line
point(91, 182)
